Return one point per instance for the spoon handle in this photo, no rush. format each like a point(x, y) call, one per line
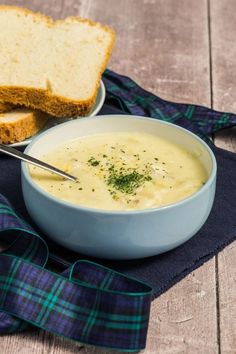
point(32, 160)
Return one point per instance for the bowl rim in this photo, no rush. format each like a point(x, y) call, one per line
point(102, 93)
point(25, 171)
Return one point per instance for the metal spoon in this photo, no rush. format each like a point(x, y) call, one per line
point(20, 155)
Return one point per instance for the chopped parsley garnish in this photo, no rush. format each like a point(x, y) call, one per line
point(93, 162)
point(126, 181)
point(119, 177)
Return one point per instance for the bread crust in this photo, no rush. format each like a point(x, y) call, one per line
point(19, 130)
point(45, 100)
point(6, 107)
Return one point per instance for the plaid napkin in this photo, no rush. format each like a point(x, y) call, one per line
point(126, 96)
point(22, 275)
point(87, 302)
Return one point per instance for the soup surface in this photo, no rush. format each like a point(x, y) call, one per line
point(121, 171)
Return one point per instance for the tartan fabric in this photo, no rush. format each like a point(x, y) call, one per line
point(87, 302)
point(129, 97)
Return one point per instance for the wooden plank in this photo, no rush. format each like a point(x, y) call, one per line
point(164, 46)
point(177, 321)
point(223, 26)
point(226, 139)
point(25, 343)
point(161, 45)
point(51, 8)
point(37, 342)
point(227, 299)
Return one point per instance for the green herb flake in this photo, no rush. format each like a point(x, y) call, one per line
point(93, 162)
point(126, 181)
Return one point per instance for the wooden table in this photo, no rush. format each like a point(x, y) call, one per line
point(185, 51)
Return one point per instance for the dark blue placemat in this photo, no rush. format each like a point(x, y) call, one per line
point(163, 271)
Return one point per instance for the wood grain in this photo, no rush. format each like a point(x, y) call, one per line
point(160, 44)
point(223, 27)
point(164, 45)
point(227, 301)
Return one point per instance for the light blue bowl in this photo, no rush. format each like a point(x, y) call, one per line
point(119, 234)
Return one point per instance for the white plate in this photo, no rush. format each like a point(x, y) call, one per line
point(55, 121)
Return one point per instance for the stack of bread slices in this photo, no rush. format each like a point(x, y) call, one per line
point(48, 68)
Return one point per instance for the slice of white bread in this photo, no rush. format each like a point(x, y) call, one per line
point(52, 66)
point(19, 124)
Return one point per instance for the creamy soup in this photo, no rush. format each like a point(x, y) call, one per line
point(121, 171)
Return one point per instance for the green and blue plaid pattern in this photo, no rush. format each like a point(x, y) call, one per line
point(126, 95)
point(87, 302)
